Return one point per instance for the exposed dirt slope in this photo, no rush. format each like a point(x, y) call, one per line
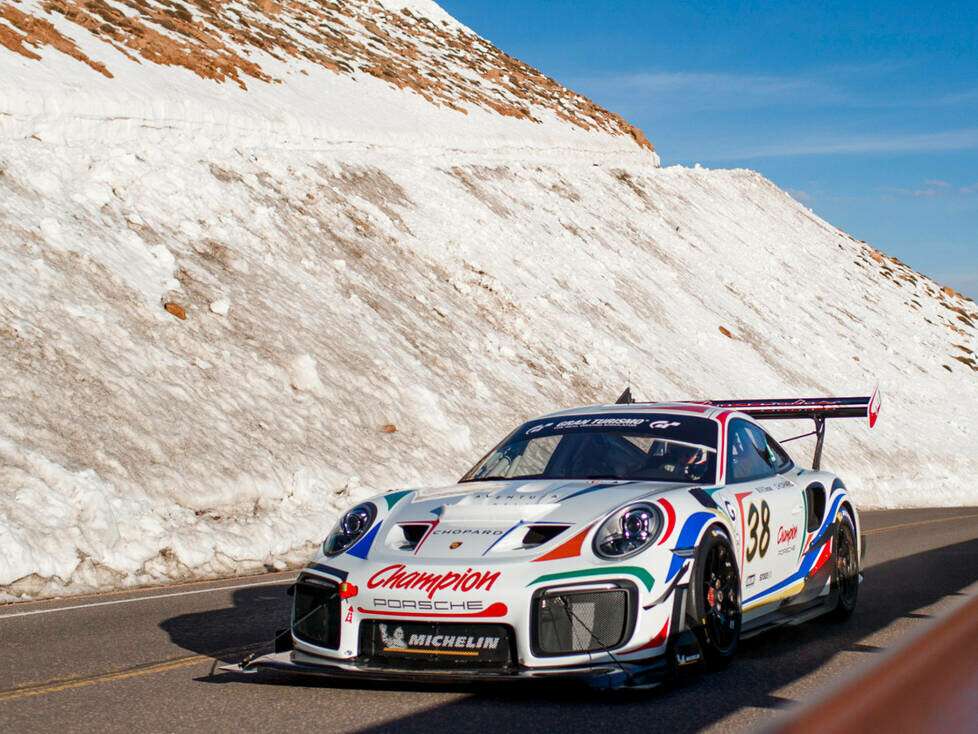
point(227, 42)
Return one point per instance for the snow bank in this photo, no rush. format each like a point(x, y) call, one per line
point(225, 315)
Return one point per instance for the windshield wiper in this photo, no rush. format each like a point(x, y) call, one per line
point(505, 479)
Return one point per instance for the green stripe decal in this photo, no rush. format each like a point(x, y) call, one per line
point(637, 571)
point(394, 497)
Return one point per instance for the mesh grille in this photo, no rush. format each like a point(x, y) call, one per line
point(316, 613)
point(585, 621)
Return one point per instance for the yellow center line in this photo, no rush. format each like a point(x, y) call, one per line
point(919, 522)
point(64, 684)
point(428, 652)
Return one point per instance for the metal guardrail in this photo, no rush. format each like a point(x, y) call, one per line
point(927, 685)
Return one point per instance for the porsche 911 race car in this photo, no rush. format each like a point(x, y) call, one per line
point(612, 543)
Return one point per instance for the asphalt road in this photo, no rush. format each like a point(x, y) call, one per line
point(144, 661)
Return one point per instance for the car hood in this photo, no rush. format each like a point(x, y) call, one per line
point(479, 519)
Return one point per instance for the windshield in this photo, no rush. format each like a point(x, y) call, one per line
point(652, 447)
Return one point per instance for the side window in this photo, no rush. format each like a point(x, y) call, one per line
point(749, 455)
point(781, 461)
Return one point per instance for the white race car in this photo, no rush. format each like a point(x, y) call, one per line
point(613, 543)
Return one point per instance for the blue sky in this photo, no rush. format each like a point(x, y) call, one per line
point(865, 111)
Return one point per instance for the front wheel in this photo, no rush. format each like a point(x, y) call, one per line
point(716, 599)
point(845, 575)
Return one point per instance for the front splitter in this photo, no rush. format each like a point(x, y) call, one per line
point(603, 676)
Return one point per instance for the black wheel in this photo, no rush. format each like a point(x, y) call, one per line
point(845, 575)
point(716, 599)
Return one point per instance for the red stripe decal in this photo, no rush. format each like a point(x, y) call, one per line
point(498, 609)
point(570, 549)
point(743, 537)
point(658, 641)
point(421, 542)
point(685, 408)
point(722, 448)
point(670, 520)
point(822, 558)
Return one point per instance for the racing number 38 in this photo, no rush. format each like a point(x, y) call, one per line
point(758, 543)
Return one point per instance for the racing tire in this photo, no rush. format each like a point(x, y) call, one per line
point(716, 599)
point(845, 574)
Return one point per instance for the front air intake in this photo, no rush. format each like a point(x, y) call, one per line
point(539, 534)
point(572, 620)
point(316, 612)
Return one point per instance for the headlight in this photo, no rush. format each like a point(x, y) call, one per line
point(628, 531)
point(351, 527)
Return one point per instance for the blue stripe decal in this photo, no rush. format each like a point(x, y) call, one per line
point(361, 549)
point(809, 559)
point(595, 488)
point(687, 539)
point(502, 536)
point(826, 524)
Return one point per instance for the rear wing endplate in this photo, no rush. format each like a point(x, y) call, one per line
point(815, 409)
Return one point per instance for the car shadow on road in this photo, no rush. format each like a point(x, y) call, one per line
point(227, 634)
point(764, 665)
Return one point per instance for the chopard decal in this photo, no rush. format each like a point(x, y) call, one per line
point(399, 577)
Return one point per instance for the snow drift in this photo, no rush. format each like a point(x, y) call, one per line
point(259, 258)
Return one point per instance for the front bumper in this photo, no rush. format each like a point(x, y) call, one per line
point(639, 662)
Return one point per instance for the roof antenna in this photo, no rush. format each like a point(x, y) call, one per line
point(625, 398)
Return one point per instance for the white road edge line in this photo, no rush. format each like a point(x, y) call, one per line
point(139, 598)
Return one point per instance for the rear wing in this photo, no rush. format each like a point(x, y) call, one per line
point(815, 409)
point(812, 408)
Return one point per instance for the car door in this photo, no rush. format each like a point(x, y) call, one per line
point(768, 504)
point(788, 533)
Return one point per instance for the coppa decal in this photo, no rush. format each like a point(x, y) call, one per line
point(399, 577)
point(787, 535)
point(467, 531)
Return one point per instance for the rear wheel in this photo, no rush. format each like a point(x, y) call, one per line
point(845, 575)
point(716, 599)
